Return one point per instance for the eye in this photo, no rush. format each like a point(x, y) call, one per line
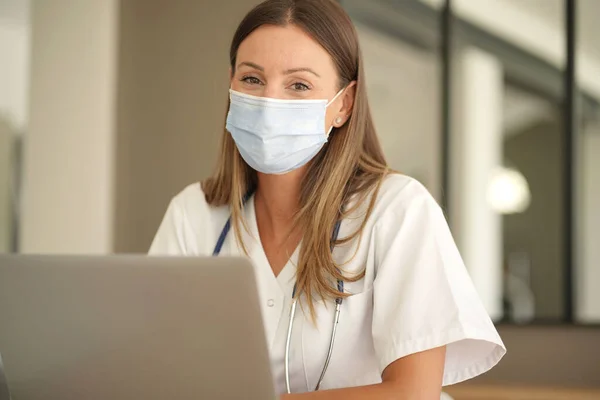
point(300, 87)
point(251, 80)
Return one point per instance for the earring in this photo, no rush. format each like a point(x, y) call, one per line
point(338, 120)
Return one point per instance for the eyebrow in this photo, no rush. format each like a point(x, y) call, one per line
point(293, 70)
point(287, 72)
point(251, 65)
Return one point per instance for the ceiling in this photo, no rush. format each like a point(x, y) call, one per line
point(523, 110)
point(552, 13)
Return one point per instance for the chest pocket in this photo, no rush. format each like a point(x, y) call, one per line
point(353, 361)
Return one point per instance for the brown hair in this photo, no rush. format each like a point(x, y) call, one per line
point(350, 166)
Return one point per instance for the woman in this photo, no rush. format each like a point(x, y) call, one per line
point(303, 181)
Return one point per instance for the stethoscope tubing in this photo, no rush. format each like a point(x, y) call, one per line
point(338, 304)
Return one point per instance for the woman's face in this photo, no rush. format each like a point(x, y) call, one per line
point(286, 63)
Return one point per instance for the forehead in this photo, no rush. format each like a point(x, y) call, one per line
point(284, 47)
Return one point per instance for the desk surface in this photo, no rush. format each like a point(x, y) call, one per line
point(507, 392)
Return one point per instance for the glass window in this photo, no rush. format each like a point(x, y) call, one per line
point(530, 200)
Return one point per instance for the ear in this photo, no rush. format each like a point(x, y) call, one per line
point(347, 104)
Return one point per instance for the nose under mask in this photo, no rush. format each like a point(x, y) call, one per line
point(276, 136)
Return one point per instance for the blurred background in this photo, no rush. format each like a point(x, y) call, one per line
point(108, 108)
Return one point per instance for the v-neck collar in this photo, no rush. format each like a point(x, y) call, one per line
point(287, 275)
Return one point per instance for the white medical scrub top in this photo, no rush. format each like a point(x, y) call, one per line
point(416, 294)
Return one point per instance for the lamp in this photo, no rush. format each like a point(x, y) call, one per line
point(508, 191)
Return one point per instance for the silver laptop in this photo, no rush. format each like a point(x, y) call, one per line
point(131, 327)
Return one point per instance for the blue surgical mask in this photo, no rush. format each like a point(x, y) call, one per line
point(276, 136)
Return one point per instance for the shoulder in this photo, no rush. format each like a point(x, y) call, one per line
point(400, 194)
point(402, 214)
point(189, 223)
point(192, 195)
point(191, 204)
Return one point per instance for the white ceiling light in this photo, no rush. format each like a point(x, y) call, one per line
point(508, 191)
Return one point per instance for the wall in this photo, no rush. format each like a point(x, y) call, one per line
point(588, 272)
point(6, 136)
point(14, 72)
point(127, 104)
point(173, 76)
point(551, 356)
point(68, 158)
point(404, 95)
point(14, 68)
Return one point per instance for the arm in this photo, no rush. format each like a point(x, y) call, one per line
point(417, 376)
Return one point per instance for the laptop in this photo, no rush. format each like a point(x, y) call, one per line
point(132, 327)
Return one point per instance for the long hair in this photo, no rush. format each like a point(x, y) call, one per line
point(351, 166)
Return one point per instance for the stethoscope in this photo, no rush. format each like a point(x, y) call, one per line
point(338, 304)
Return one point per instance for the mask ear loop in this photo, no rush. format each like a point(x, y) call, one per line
point(331, 101)
point(335, 97)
